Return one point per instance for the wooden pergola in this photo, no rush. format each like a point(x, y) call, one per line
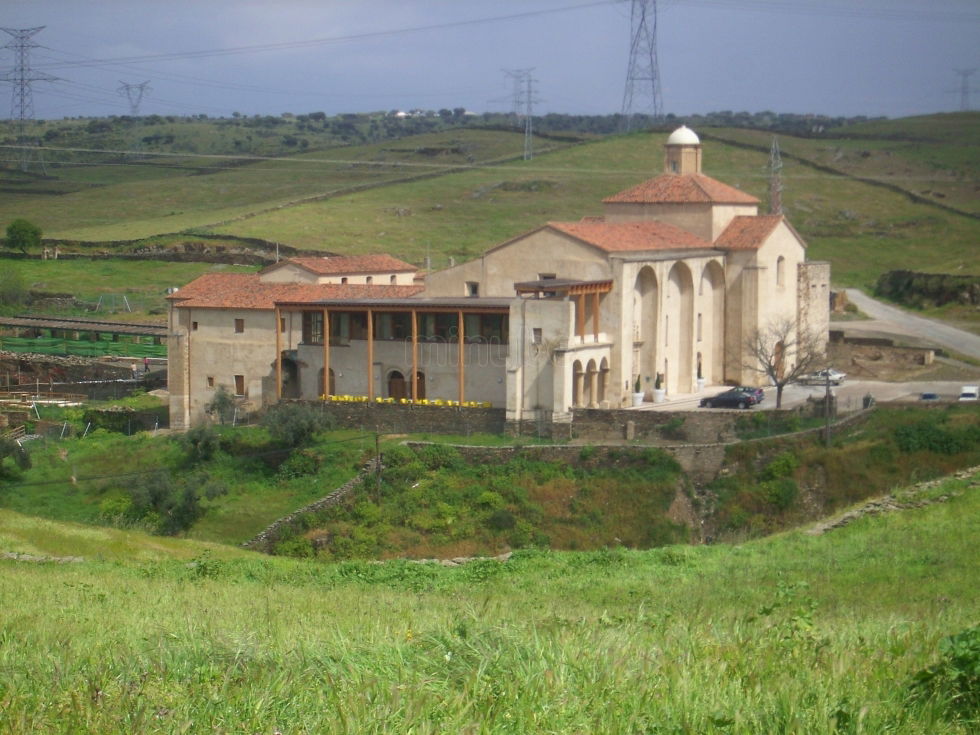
point(413, 307)
point(577, 290)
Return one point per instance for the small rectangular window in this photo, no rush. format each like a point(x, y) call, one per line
point(472, 288)
point(282, 324)
point(536, 336)
point(546, 276)
point(239, 326)
point(193, 326)
point(210, 381)
point(239, 385)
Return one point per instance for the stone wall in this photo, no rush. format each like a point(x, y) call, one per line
point(660, 428)
point(654, 427)
point(392, 418)
point(268, 538)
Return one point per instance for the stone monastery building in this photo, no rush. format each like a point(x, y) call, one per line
point(672, 280)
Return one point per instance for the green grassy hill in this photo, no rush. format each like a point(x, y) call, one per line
point(793, 633)
point(300, 200)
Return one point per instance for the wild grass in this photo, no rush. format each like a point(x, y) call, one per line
point(787, 634)
point(144, 284)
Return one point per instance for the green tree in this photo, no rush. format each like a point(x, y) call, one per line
point(22, 235)
point(222, 405)
point(294, 424)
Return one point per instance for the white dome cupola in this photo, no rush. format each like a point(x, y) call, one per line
point(682, 152)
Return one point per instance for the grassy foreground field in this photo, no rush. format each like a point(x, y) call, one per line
point(790, 634)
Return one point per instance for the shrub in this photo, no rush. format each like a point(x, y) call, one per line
point(782, 465)
point(294, 424)
point(501, 520)
point(201, 443)
point(955, 679)
point(299, 547)
point(673, 429)
point(929, 436)
point(781, 492)
point(301, 463)
point(222, 405)
point(169, 506)
point(438, 456)
point(490, 499)
point(10, 448)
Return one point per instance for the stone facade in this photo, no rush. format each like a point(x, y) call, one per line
point(665, 288)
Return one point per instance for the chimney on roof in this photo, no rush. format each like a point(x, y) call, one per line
point(682, 152)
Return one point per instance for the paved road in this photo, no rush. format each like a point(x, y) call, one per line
point(902, 322)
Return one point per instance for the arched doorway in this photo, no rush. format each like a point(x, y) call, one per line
point(711, 337)
point(396, 385)
point(591, 384)
point(577, 387)
point(680, 340)
point(290, 378)
point(419, 386)
point(603, 381)
point(645, 307)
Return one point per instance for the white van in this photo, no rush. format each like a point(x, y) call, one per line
point(969, 392)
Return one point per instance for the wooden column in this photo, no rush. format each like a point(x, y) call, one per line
point(595, 316)
point(370, 354)
point(326, 353)
point(459, 360)
point(415, 355)
point(276, 315)
point(580, 317)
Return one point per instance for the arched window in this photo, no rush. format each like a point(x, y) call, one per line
point(780, 271)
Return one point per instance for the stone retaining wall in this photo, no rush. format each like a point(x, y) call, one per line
point(268, 538)
point(389, 418)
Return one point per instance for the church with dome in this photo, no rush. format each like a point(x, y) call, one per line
point(658, 296)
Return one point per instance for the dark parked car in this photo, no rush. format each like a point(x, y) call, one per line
point(757, 393)
point(929, 397)
point(734, 398)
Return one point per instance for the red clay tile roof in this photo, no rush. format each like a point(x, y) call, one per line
point(630, 236)
point(336, 265)
point(246, 291)
point(748, 233)
point(682, 189)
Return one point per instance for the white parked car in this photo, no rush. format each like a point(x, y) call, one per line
point(820, 377)
point(969, 393)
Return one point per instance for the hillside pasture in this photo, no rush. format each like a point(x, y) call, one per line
point(795, 633)
point(209, 189)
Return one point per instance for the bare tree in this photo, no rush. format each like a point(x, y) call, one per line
point(782, 354)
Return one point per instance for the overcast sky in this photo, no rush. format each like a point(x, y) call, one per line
point(834, 57)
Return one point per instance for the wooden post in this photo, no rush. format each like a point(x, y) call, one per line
point(459, 359)
point(580, 316)
point(277, 317)
point(415, 355)
point(595, 316)
point(326, 353)
point(370, 354)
